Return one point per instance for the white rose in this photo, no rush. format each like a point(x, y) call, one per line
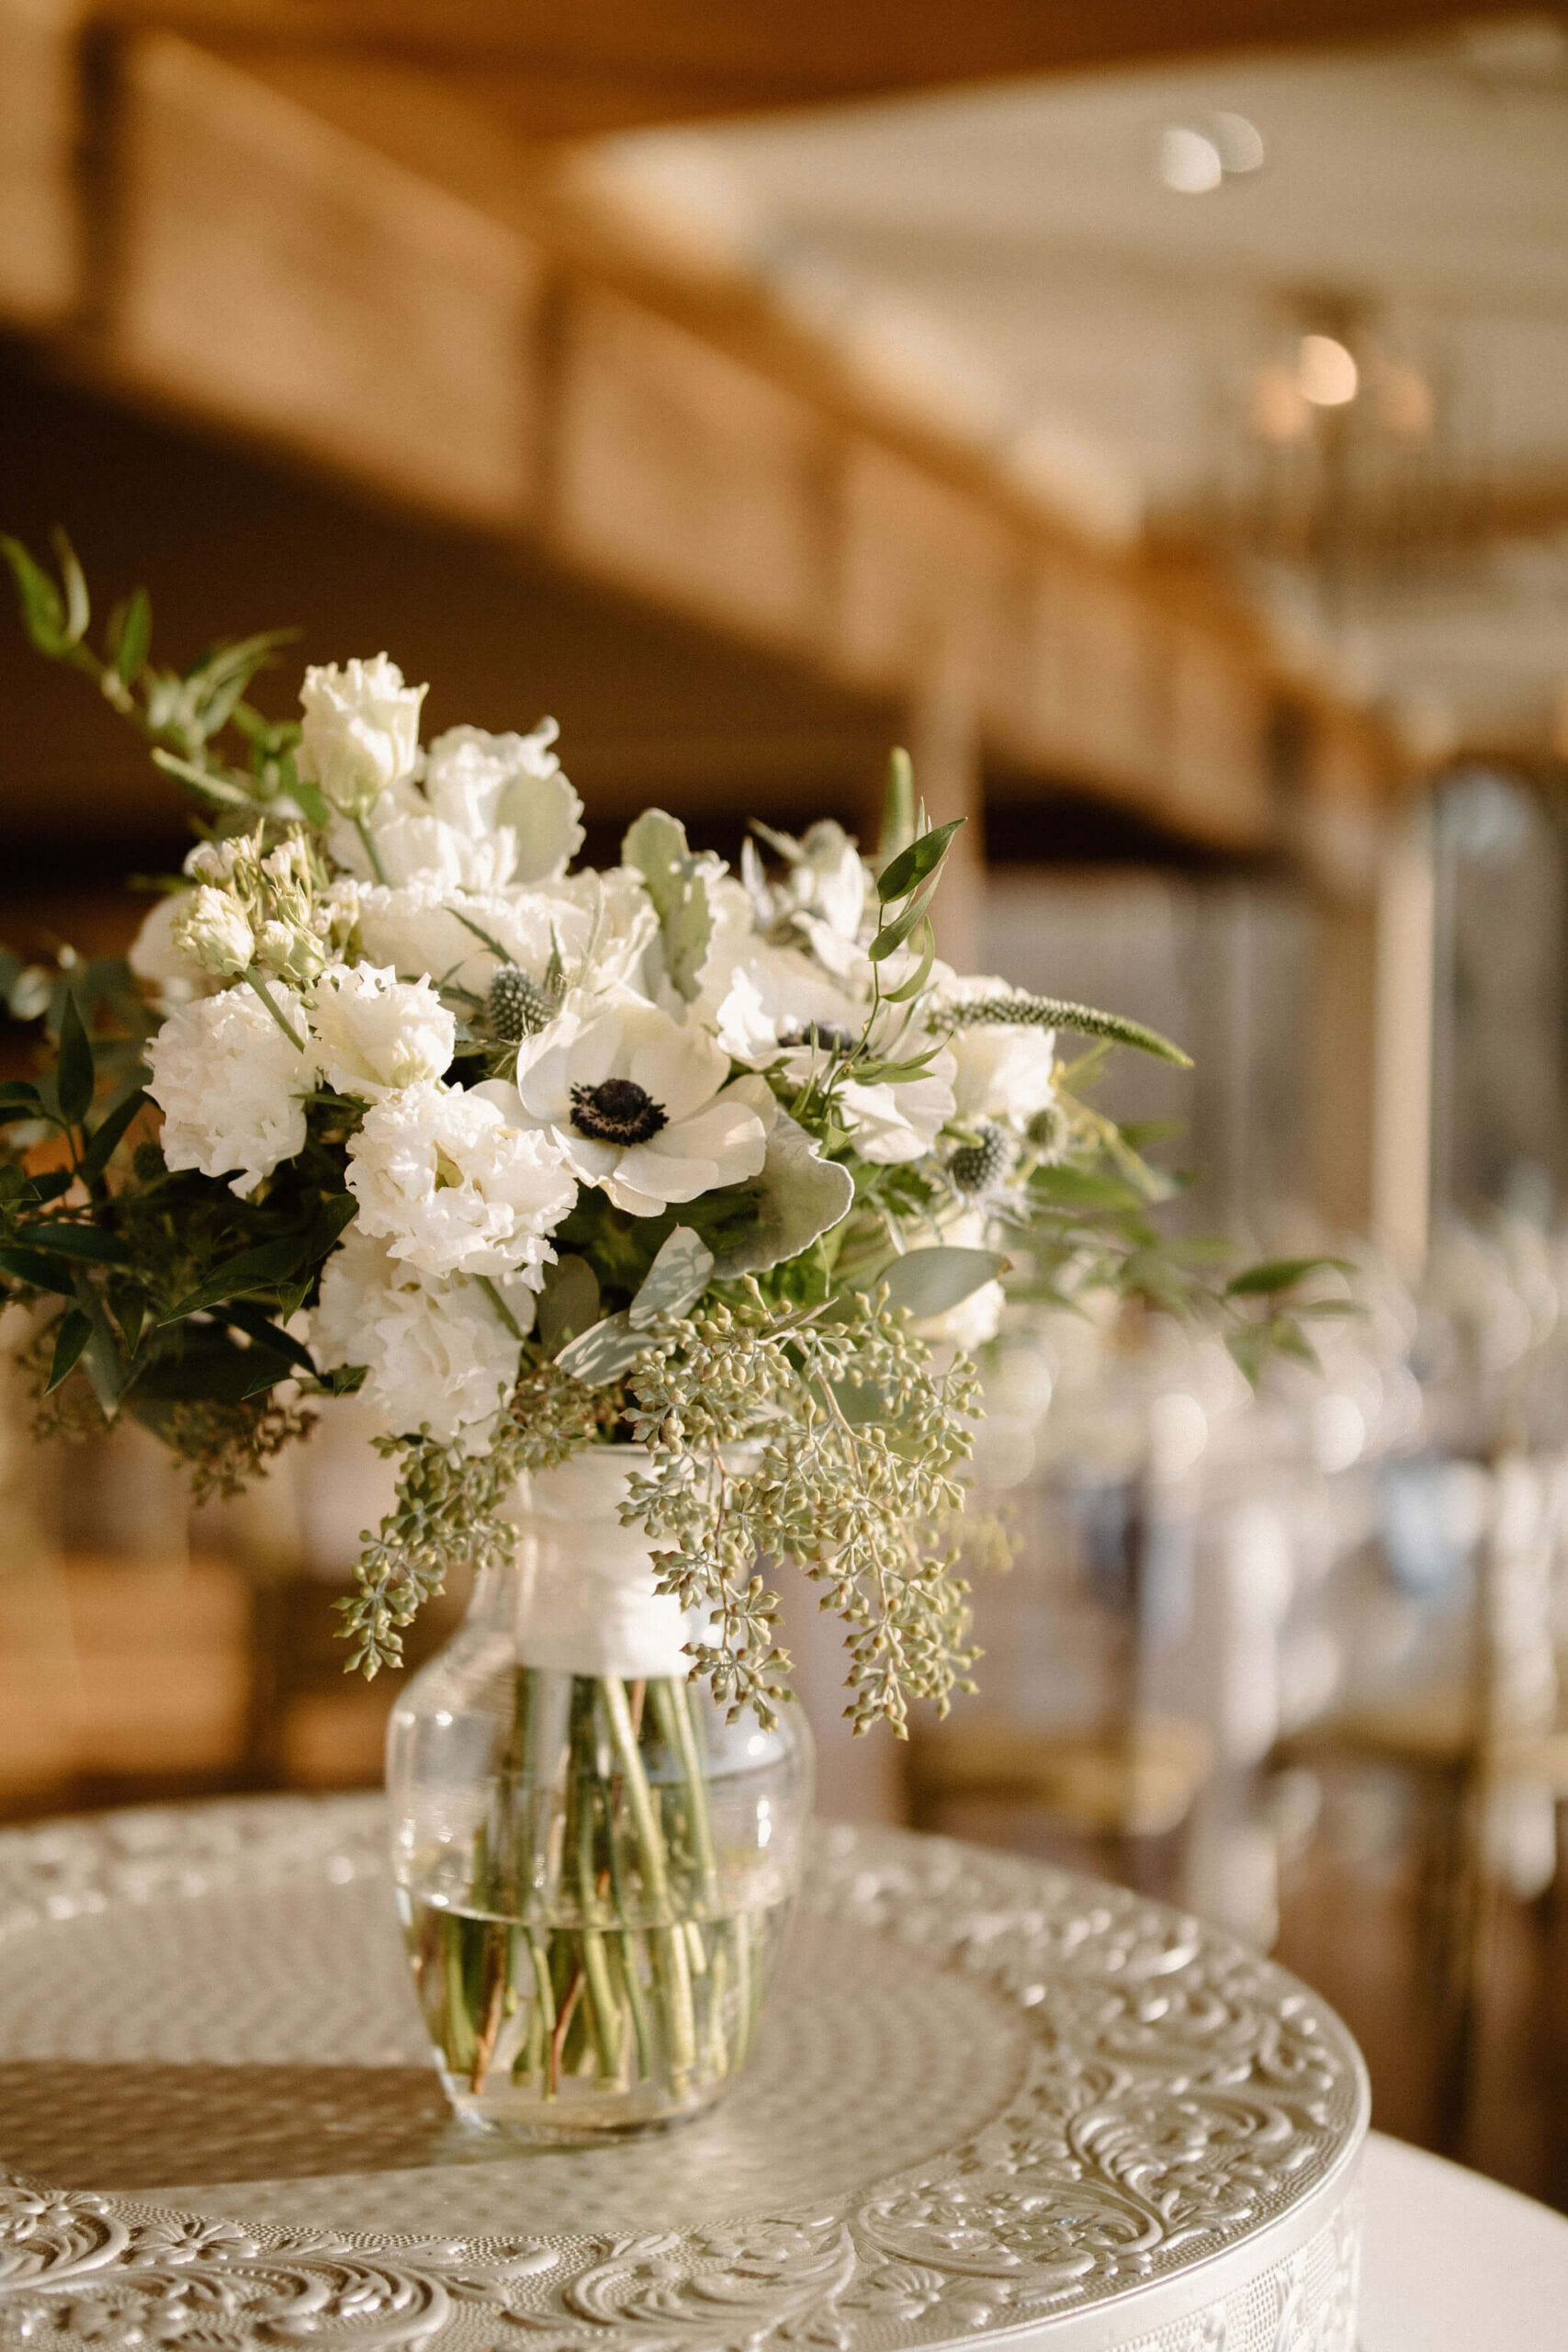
point(227, 1082)
point(437, 1354)
point(360, 732)
point(482, 784)
point(158, 959)
point(452, 1187)
point(211, 928)
point(639, 1103)
point(373, 1033)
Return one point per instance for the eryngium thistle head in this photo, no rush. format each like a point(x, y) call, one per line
point(1050, 1133)
point(980, 1167)
point(518, 1006)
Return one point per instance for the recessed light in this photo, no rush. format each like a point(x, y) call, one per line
point(1189, 163)
point(1326, 372)
point(1240, 143)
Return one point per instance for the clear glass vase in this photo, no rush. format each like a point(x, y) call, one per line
point(594, 1871)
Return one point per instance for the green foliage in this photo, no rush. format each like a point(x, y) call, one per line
point(657, 846)
point(1055, 1012)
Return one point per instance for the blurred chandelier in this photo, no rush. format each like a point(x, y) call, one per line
point(1342, 461)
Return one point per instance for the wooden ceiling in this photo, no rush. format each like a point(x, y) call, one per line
point(603, 65)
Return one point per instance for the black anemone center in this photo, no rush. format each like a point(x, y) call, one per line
point(619, 1112)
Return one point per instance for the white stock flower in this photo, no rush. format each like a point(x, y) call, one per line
point(482, 783)
point(373, 1033)
point(639, 1103)
point(211, 928)
point(1001, 1071)
point(452, 1186)
point(437, 1354)
point(360, 731)
point(227, 1082)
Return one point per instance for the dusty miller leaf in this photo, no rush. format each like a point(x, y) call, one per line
point(657, 846)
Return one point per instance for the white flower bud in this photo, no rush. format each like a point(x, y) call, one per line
point(360, 732)
point(291, 951)
point(211, 928)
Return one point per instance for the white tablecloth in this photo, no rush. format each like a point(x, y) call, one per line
point(1453, 2263)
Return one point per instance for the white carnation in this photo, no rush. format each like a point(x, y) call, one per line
point(360, 731)
point(480, 784)
point(373, 1033)
point(227, 1082)
point(437, 1354)
point(452, 1187)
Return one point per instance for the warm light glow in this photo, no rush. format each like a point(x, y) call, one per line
point(1240, 143)
point(1189, 163)
point(1278, 409)
point(1326, 372)
point(1405, 401)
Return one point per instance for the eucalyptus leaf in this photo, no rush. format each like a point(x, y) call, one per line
point(108, 1134)
point(897, 807)
point(656, 844)
point(43, 612)
point(676, 1281)
point(1281, 1273)
point(85, 1241)
point(603, 1353)
point(928, 1282)
point(568, 1302)
point(78, 610)
point(797, 1198)
point(260, 1269)
point(133, 638)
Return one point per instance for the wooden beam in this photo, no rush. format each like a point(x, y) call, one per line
point(605, 63)
point(38, 118)
point(288, 280)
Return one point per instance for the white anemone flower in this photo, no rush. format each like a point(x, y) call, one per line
point(642, 1106)
point(453, 1186)
point(437, 1352)
point(373, 1033)
point(781, 1010)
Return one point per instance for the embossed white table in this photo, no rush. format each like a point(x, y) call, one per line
point(991, 2102)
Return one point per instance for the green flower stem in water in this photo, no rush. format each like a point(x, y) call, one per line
point(593, 1957)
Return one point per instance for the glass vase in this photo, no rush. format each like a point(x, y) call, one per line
point(594, 1869)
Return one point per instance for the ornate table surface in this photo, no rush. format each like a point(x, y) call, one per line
point(990, 2099)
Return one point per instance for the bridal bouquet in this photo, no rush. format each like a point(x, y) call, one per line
point(730, 1169)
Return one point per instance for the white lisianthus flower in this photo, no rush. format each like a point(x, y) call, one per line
point(373, 1033)
point(227, 1082)
point(211, 928)
point(453, 1187)
point(360, 731)
point(159, 960)
point(480, 784)
point(407, 843)
point(1000, 1071)
point(437, 1354)
point(640, 1103)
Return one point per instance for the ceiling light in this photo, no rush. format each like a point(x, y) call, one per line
point(1326, 372)
point(1189, 163)
point(1240, 143)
